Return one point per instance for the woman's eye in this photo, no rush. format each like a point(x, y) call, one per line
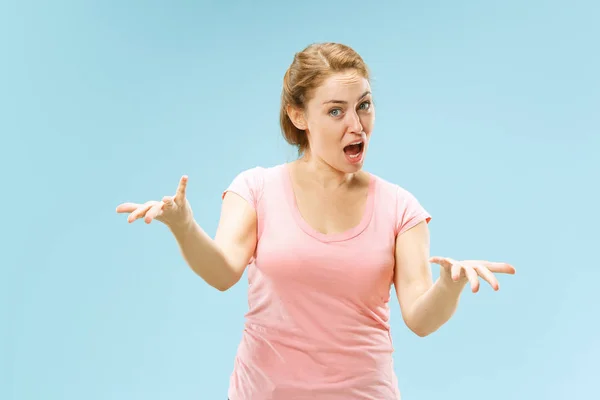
point(365, 105)
point(335, 112)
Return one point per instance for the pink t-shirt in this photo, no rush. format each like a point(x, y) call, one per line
point(318, 320)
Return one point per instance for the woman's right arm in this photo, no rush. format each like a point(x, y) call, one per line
point(221, 262)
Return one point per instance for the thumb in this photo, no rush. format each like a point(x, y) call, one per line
point(441, 261)
point(180, 194)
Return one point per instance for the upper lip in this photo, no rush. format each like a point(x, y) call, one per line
point(359, 141)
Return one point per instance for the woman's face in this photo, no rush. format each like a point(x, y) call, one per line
point(338, 120)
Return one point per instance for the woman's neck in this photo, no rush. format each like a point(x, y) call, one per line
point(322, 174)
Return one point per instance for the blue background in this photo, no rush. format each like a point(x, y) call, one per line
point(489, 112)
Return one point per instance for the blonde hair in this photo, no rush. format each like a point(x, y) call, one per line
point(308, 70)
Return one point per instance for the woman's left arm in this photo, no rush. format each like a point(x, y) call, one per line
point(426, 305)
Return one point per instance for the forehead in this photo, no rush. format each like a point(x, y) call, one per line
point(342, 85)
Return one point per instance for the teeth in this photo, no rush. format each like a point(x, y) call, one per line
point(354, 155)
point(359, 142)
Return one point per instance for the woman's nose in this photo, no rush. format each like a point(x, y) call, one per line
point(354, 123)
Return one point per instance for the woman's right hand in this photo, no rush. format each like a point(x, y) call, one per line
point(173, 211)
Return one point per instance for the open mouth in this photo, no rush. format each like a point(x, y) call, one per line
point(354, 150)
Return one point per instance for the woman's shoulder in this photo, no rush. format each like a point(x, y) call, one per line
point(387, 187)
point(258, 176)
point(394, 199)
point(261, 172)
point(250, 182)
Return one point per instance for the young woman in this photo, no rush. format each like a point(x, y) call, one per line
point(324, 241)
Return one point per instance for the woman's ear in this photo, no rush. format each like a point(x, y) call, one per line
point(297, 117)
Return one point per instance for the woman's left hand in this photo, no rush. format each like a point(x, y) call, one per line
point(471, 270)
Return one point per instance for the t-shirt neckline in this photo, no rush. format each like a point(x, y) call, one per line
point(331, 237)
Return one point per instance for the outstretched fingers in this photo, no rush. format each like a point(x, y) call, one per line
point(140, 212)
point(499, 267)
point(472, 277)
point(127, 207)
point(154, 212)
point(449, 264)
point(473, 270)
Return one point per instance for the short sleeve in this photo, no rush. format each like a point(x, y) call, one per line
point(248, 184)
point(409, 211)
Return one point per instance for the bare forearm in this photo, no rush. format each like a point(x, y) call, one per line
point(435, 306)
point(204, 256)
